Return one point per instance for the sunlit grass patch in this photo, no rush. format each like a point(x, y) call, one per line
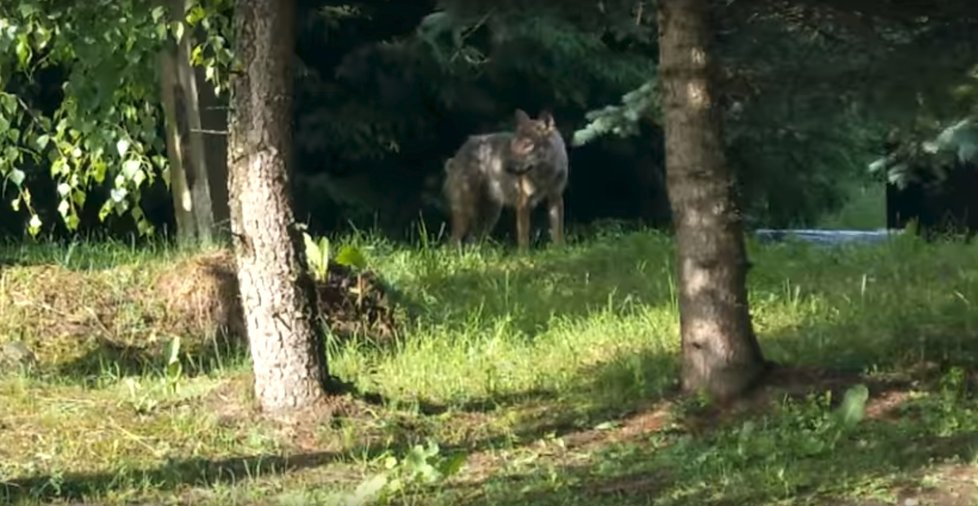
point(535, 365)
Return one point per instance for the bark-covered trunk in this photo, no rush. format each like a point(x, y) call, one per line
point(277, 293)
point(720, 353)
point(189, 180)
point(183, 202)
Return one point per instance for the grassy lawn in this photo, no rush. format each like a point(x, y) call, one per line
point(552, 374)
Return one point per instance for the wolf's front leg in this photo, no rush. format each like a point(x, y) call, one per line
point(555, 211)
point(523, 220)
point(460, 225)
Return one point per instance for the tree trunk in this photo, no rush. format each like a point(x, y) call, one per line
point(720, 353)
point(277, 293)
point(183, 202)
point(185, 144)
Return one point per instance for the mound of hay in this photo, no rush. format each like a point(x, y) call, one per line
point(75, 319)
point(200, 297)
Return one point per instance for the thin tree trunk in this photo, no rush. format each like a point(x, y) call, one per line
point(183, 203)
point(184, 137)
point(277, 293)
point(720, 353)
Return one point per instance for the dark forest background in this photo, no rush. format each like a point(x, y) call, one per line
point(386, 91)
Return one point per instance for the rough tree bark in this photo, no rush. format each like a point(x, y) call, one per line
point(720, 353)
point(189, 179)
point(277, 293)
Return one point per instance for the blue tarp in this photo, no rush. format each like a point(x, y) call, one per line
point(826, 237)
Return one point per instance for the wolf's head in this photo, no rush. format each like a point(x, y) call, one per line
point(531, 142)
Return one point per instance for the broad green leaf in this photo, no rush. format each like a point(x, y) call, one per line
point(122, 147)
point(118, 195)
point(173, 350)
point(130, 168)
point(368, 490)
point(139, 177)
point(17, 176)
point(9, 102)
point(72, 221)
point(312, 249)
point(351, 256)
point(157, 13)
point(59, 166)
point(853, 406)
point(27, 9)
point(452, 465)
point(23, 50)
point(34, 226)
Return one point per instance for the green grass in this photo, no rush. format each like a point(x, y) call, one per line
point(865, 209)
point(551, 372)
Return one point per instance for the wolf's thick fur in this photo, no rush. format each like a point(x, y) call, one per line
point(516, 170)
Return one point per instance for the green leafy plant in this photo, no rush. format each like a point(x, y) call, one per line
point(421, 466)
point(317, 254)
point(174, 369)
point(353, 257)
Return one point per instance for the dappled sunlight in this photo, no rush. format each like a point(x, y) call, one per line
point(699, 97)
point(697, 279)
point(550, 360)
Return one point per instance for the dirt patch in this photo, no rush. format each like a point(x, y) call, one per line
point(950, 485)
point(574, 446)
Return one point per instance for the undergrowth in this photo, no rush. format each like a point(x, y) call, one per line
point(517, 379)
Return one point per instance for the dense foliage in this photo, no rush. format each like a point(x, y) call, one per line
point(385, 93)
point(80, 106)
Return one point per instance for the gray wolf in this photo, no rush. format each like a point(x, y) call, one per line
point(514, 169)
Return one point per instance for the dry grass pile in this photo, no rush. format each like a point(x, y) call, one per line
point(63, 314)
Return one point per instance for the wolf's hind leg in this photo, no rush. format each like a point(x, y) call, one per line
point(489, 212)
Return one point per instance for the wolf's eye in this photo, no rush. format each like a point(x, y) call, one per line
point(521, 146)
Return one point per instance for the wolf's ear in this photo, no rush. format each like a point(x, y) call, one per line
point(521, 117)
point(547, 118)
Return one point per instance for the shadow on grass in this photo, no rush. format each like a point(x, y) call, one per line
point(788, 454)
point(115, 360)
point(167, 477)
point(631, 473)
point(785, 454)
point(708, 456)
point(677, 474)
